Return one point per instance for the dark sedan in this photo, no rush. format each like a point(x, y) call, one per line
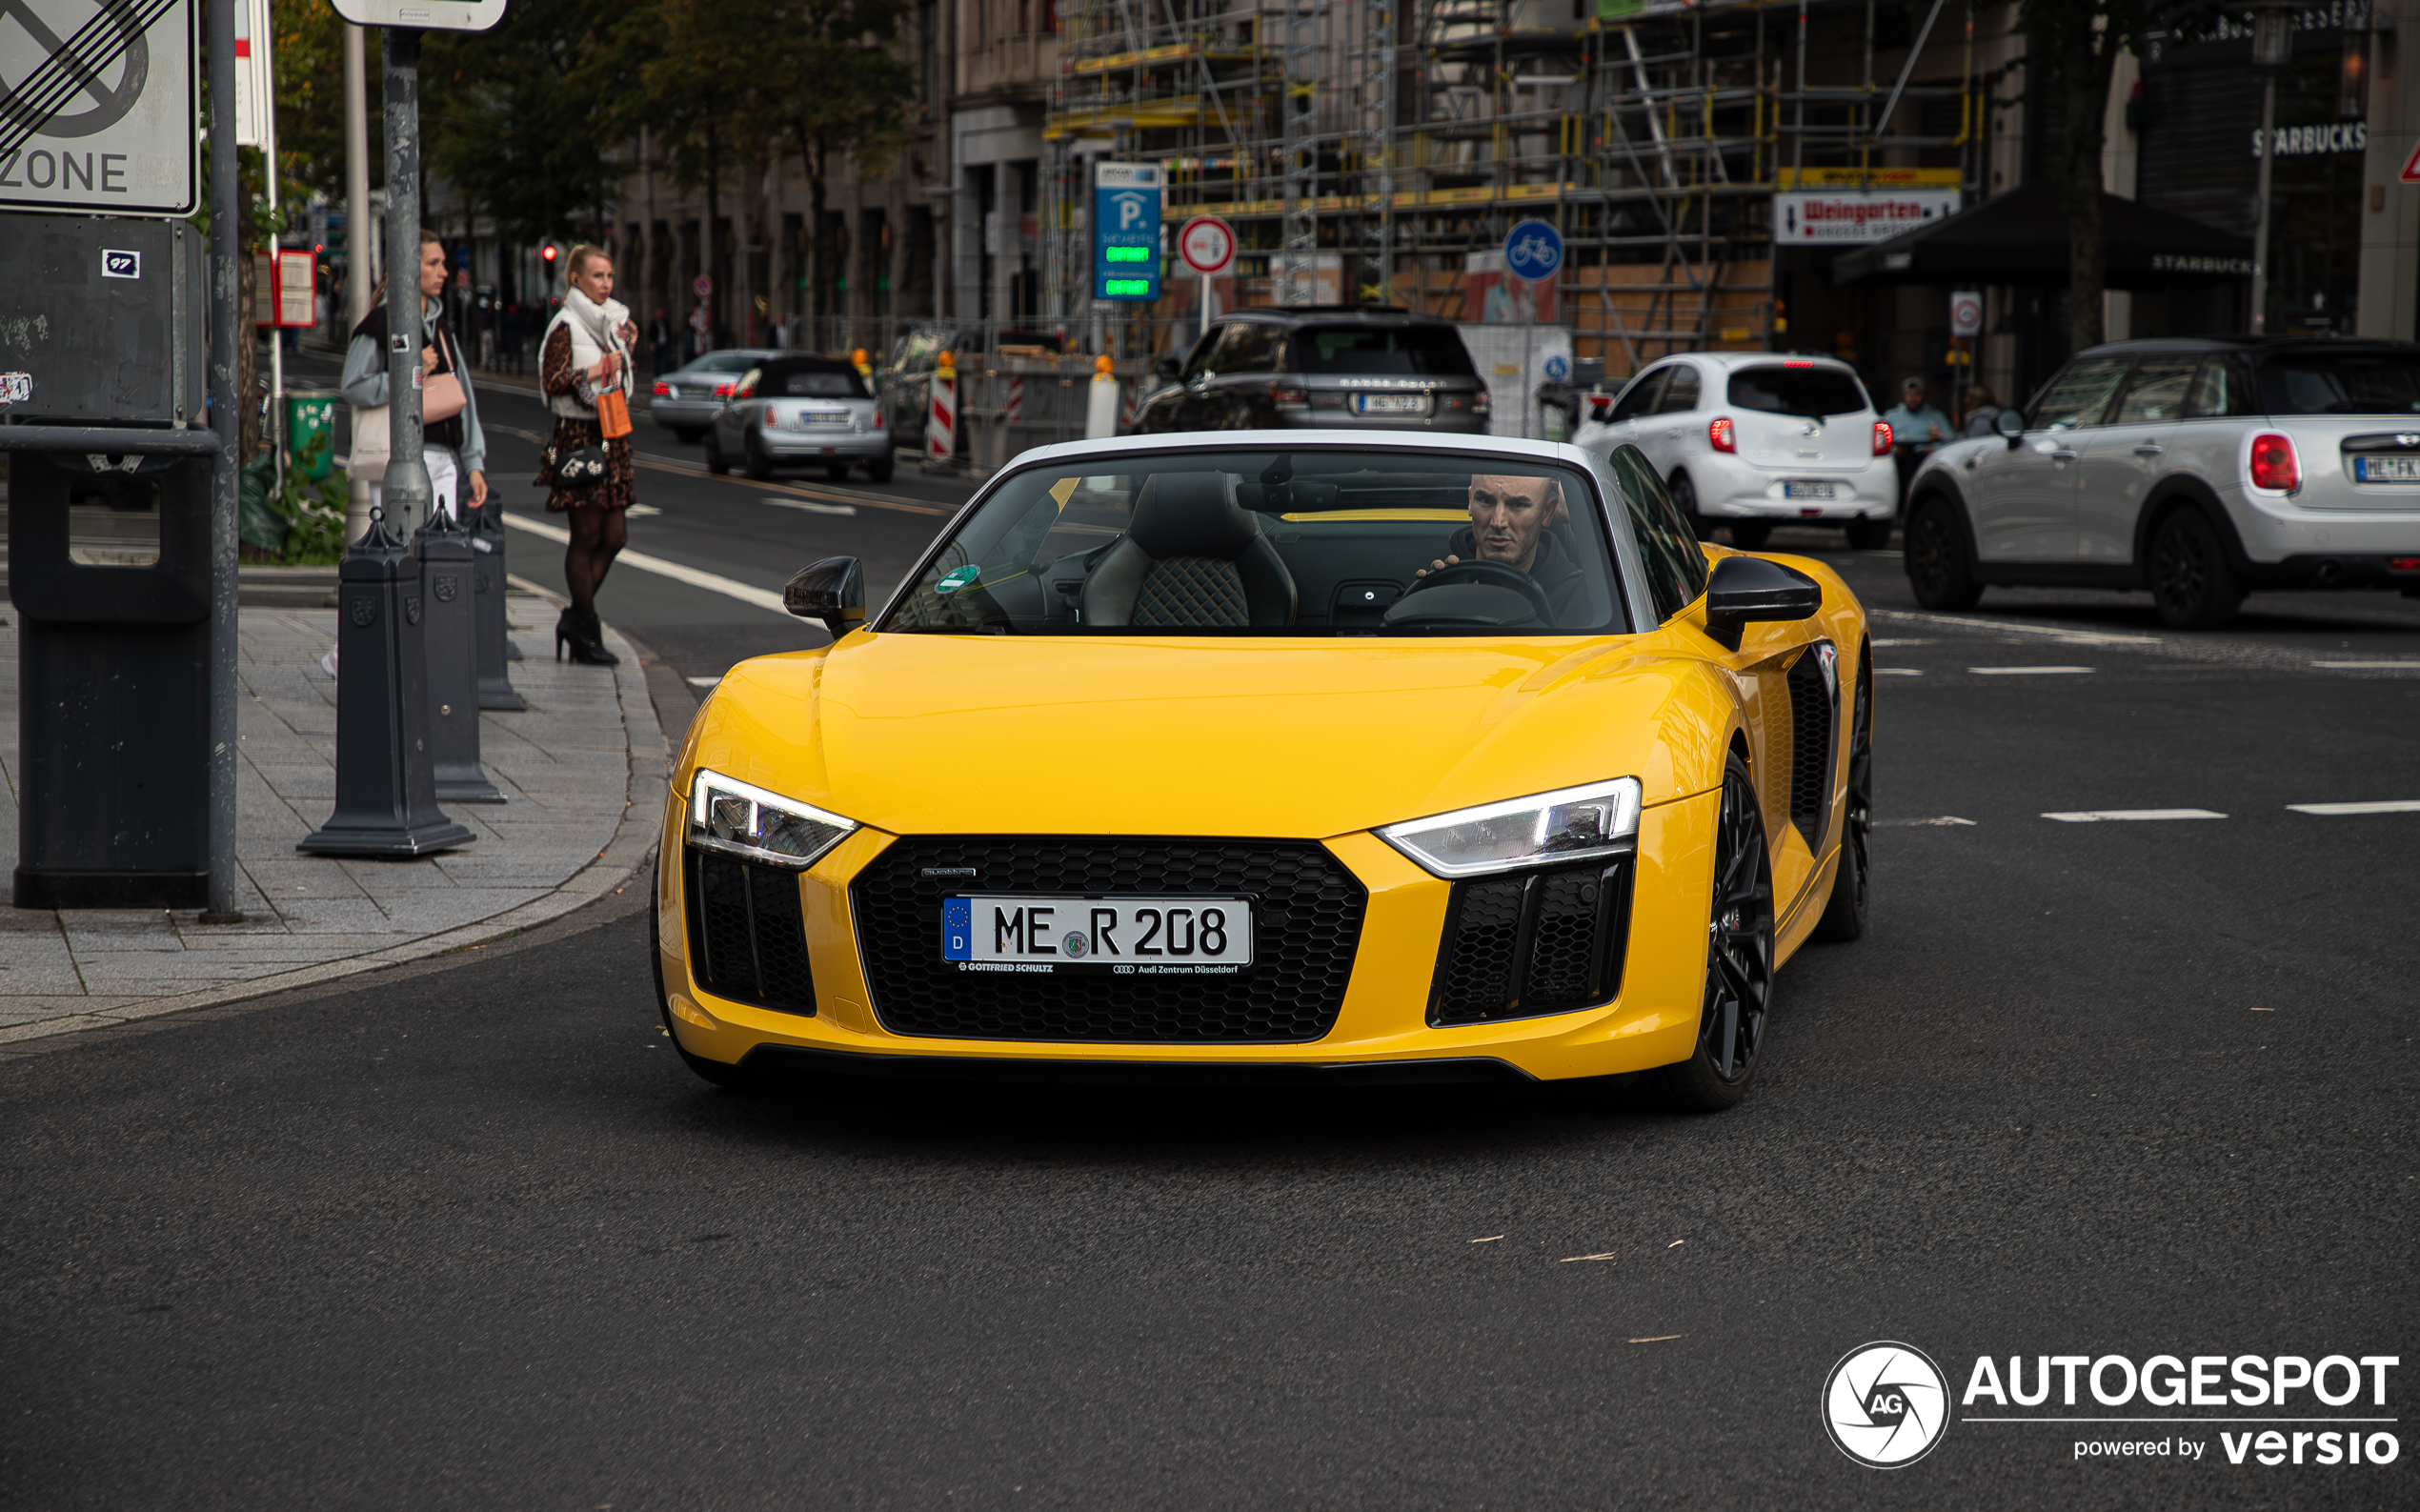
point(1357, 369)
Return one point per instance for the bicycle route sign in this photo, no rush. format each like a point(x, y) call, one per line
point(1533, 250)
point(100, 106)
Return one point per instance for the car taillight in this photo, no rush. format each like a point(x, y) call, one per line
point(1289, 397)
point(722, 390)
point(2274, 464)
point(1882, 438)
point(1718, 435)
point(2404, 564)
point(1600, 407)
point(663, 390)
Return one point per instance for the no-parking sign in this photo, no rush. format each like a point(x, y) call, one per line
point(1966, 313)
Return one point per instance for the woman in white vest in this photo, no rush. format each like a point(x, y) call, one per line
point(587, 353)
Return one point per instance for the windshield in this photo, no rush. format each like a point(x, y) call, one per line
point(726, 362)
point(1274, 543)
point(1431, 350)
point(1783, 390)
point(2341, 383)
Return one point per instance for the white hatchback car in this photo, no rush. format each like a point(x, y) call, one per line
point(1751, 440)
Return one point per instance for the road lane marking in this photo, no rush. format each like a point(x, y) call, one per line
point(2053, 631)
point(812, 508)
point(2026, 672)
point(1900, 642)
point(2369, 666)
point(1945, 821)
point(2387, 806)
point(802, 490)
point(2107, 816)
point(1898, 672)
point(704, 682)
point(711, 582)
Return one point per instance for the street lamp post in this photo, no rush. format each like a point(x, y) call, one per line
point(2273, 48)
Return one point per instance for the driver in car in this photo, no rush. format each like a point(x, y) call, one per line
point(1508, 520)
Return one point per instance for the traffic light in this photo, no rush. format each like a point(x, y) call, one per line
point(548, 254)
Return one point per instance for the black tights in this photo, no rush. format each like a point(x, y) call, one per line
point(597, 536)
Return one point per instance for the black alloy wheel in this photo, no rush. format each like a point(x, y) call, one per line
point(879, 470)
point(1684, 496)
point(2192, 582)
point(1845, 912)
point(1939, 569)
point(1739, 964)
point(760, 466)
point(1750, 536)
point(687, 435)
point(716, 463)
point(836, 471)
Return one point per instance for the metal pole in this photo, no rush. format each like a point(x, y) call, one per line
point(360, 260)
point(227, 420)
point(276, 427)
point(407, 480)
point(2260, 235)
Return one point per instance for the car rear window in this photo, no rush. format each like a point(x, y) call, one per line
point(725, 362)
point(1432, 351)
point(1781, 389)
point(2341, 383)
point(811, 383)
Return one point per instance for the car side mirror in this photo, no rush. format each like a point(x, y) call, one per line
point(1748, 589)
point(832, 591)
point(2010, 423)
point(1170, 368)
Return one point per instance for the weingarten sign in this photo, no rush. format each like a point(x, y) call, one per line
point(1840, 216)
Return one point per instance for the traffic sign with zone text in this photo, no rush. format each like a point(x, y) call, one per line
point(100, 106)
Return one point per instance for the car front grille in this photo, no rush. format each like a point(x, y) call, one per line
point(1811, 748)
point(1306, 909)
point(747, 939)
point(1531, 943)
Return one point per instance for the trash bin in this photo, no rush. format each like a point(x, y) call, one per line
point(310, 432)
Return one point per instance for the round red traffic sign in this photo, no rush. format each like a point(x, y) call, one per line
point(704, 286)
point(1207, 245)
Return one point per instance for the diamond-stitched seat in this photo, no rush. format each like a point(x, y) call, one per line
point(1192, 558)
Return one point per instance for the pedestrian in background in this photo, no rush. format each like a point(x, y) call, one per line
point(453, 448)
point(1981, 411)
point(584, 367)
point(702, 332)
point(1913, 420)
point(659, 339)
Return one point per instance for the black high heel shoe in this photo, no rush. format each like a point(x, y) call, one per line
point(587, 637)
point(567, 630)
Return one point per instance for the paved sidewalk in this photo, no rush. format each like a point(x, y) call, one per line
point(581, 767)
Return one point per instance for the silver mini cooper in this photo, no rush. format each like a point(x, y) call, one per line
point(792, 411)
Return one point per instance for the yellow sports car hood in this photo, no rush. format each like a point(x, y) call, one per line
point(923, 734)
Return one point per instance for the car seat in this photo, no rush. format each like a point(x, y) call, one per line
point(1191, 559)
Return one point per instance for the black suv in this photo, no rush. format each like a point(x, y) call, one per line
point(1352, 366)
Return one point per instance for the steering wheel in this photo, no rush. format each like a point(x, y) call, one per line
point(1494, 574)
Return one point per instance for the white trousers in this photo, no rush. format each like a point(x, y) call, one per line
point(445, 484)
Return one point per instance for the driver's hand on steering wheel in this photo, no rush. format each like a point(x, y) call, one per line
point(1437, 566)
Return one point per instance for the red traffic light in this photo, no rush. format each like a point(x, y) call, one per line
point(549, 252)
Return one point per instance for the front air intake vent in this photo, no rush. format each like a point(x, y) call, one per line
point(747, 937)
point(1532, 943)
point(1811, 700)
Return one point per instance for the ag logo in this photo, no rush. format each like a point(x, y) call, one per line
point(1885, 1404)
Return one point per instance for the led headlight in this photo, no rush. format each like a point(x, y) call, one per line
point(740, 819)
point(1545, 829)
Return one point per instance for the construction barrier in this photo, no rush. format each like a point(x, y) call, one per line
point(1100, 409)
point(940, 424)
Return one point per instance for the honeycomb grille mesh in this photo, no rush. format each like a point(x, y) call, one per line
point(747, 937)
point(1306, 908)
point(1541, 942)
point(1811, 749)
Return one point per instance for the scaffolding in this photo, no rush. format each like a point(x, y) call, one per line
point(1378, 151)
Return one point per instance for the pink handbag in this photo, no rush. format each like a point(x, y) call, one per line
point(441, 397)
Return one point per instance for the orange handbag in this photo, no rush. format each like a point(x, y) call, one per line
point(613, 414)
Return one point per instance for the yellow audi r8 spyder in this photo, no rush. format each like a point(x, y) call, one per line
point(1279, 756)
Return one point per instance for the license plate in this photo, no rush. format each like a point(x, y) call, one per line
point(813, 418)
point(1121, 936)
point(2386, 469)
point(1391, 403)
point(1807, 490)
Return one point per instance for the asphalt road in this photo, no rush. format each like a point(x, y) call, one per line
point(467, 1235)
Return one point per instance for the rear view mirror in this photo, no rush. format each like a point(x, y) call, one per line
point(1748, 589)
point(832, 591)
point(1169, 368)
point(2010, 423)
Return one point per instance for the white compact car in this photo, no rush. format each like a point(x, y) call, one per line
point(1749, 439)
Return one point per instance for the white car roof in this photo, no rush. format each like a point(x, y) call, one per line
point(1511, 448)
point(1726, 361)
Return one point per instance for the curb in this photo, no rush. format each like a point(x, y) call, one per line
point(626, 856)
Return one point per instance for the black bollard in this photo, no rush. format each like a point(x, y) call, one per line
point(448, 577)
point(487, 576)
point(386, 776)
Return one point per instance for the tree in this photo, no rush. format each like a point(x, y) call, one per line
point(2073, 51)
point(847, 96)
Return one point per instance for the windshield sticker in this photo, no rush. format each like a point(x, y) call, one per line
point(957, 578)
point(1062, 491)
